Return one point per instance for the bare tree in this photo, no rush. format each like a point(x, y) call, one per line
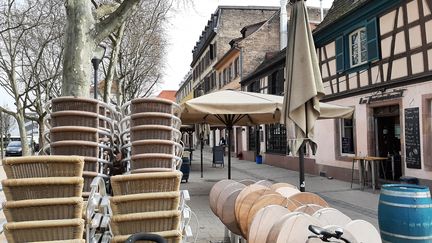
point(7, 124)
point(142, 51)
point(26, 36)
point(87, 27)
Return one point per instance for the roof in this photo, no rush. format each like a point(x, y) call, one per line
point(338, 10)
point(168, 94)
point(249, 29)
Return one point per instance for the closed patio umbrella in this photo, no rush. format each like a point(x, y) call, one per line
point(231, 108)
point(303, 86)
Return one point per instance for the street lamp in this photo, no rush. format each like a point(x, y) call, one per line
point(98, 54)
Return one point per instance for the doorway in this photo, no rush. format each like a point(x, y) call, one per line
point(387, 141)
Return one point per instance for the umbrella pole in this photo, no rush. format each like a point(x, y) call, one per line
point(229, 151)
point(301, 167)
point(190, 147)
point(202, 145)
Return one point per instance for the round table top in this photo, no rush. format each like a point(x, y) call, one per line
point(263, 221)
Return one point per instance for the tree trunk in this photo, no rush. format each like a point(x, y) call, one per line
point(23, 132)
point(41, 132)
point(79, 46)
point(113, 63)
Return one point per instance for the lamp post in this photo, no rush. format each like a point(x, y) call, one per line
point(99, 54)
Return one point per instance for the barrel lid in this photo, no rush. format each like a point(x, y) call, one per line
point(405, 189)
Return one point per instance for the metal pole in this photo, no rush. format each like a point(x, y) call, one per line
point(190, 147)
point(229, 151)
point(301, 167)
point(202, 145)
point(95, 85)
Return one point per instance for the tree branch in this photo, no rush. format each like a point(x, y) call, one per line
point(114, 20)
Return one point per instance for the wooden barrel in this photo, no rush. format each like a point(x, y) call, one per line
point(226, 206)
point(215, 192)
point(405, 213)
point(263, 221)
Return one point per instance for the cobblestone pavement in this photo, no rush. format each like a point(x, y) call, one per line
point(355, 203)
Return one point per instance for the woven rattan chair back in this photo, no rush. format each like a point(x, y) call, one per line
point(43, 166)
point(37, 188)
point(48, 230)
point(145, 202)
point(43, 209)
point(157, 221)
point(146, 182)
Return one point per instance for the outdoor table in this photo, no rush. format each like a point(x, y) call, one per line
point(368, 161)
point(373, 163)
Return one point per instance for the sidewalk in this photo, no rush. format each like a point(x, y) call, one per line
point(355, 203)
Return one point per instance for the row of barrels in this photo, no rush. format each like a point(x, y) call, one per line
point(265, 212)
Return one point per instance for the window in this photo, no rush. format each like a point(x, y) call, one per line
point(254, 87)
point(347, 136)
point(358, 47)
point(276, 139)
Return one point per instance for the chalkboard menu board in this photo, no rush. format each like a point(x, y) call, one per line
point(412, 138)
point(346, 145)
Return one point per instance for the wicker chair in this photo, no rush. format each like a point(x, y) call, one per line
point(154, 118)
point(48, 230)
point(156, 146)
point(145, 202)
point(126, 224)
point(43, 166)
point(140, 161)
point(69, 103)
point(75, 147)
point(37, 188)
point(43, 209)
point(73, 118)
point(172, 236)
point(146, 182)
point(141, 105)
point(145, 132)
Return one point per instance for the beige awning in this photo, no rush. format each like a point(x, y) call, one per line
point(230, 107)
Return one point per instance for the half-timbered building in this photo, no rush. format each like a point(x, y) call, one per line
point(375, 56)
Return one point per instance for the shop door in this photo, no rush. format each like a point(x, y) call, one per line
point(387, 141)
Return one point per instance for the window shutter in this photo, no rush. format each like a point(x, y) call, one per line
point(372, 40)
point(340, 58)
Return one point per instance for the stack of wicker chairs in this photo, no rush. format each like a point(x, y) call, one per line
point(147, 199)
point(151, 134)
point(83, 127)
point(44, 199)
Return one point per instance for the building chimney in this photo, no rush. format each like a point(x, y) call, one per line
point(283, 24)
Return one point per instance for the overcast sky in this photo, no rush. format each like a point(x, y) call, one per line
point(186, 27)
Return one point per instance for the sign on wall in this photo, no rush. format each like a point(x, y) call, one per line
point(412, 138)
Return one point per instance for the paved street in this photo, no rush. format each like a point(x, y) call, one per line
point(355, 203)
